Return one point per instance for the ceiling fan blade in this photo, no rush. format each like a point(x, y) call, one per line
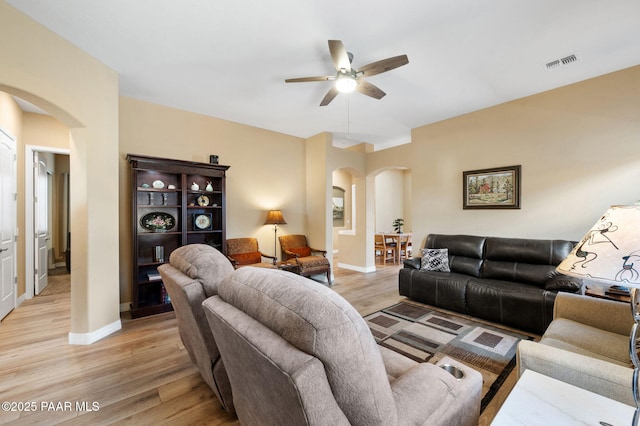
point(331, 94)
point(306, 79)
point(339, 55)
point(369, 89)
point(383, 65)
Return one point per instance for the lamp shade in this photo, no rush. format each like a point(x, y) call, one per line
point(610, 250)
point(274, 217)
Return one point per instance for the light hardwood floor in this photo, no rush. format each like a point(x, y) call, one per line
point(139, 375)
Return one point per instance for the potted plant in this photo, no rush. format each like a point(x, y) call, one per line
point(398, 224)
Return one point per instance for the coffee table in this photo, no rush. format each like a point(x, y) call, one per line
point(540, 400)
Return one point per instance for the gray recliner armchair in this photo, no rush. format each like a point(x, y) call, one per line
point(297, 353)
point(192, 275)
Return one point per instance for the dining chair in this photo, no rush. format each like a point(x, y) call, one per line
point(404, 245)
point(387, 250)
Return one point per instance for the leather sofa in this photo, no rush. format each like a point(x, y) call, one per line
point(512, 281)
point(297, 353)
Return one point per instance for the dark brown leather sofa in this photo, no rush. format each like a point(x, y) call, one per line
point(512, 281)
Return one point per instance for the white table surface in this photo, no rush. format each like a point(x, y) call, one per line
point(540, 400)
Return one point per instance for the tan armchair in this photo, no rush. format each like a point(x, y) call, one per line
point(586, 345)
point(245, 252)
point(296, 247)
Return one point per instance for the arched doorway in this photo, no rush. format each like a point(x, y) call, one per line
point(392, 200)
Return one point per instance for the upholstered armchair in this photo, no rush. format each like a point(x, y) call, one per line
point(245, 252)
point(297, 353)
point(296, 247)
point(586, 345)
point(193, 274)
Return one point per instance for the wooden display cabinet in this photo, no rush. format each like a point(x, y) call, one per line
point(174, 203)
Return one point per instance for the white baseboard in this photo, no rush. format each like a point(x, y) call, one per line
point(357, 268)
point(94, 336)
point(20, 300)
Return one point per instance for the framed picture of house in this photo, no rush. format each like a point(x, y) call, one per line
point(497, 188)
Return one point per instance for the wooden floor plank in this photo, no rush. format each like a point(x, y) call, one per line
point(141, 374)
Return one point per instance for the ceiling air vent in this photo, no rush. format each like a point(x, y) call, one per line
point(561, 62)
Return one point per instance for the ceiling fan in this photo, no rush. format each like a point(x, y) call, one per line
point(349, 79)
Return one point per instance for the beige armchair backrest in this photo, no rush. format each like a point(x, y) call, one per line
point(192, 275)
point(298, 353)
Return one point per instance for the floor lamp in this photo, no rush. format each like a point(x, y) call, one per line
point(274, 217)
point(608, 253)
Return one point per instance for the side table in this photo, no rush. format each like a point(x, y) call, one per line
point(599, 292)
point(289, 265)
point(540, 400)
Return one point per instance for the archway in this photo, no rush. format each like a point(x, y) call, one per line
point(390, 191)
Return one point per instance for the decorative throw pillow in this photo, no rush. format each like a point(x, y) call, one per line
point(301, 251)
point(435, 260)
point(247, 258)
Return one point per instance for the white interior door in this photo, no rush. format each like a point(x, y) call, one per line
point(8, 211)
point(41, 225)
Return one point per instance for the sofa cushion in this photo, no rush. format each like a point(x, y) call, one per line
point(590, 341)
point(435, 260)
point(465, 251)
point(524, 250)
point(520, 305)
point(203, 263)
point(444, 289)
point(528, 273)
point(458, 245)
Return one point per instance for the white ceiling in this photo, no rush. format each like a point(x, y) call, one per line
point(229, 59)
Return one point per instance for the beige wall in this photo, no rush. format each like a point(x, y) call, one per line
point(46, 131)
point(342, 179)
point(82, 93)
point(353, 245)
point(579, 150)
point(267, 170)
point(389, 200)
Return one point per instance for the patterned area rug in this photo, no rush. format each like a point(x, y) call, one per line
point(426, 335)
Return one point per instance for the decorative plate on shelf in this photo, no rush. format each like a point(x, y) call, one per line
point(158, 221)
point(157, 184)
point(202, 222)
point(203, 200)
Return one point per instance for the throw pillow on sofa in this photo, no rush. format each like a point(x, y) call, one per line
point(435, 260)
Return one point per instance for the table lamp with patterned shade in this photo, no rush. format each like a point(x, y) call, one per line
point(274, 217)
point(610, 253)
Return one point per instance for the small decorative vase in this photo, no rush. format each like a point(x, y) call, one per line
point(195, 186)
point(209, 186)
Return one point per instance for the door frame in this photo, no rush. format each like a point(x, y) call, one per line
point(29, 256)
point(15, 218)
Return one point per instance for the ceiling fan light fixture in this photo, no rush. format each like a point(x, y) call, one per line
point(346, 83)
